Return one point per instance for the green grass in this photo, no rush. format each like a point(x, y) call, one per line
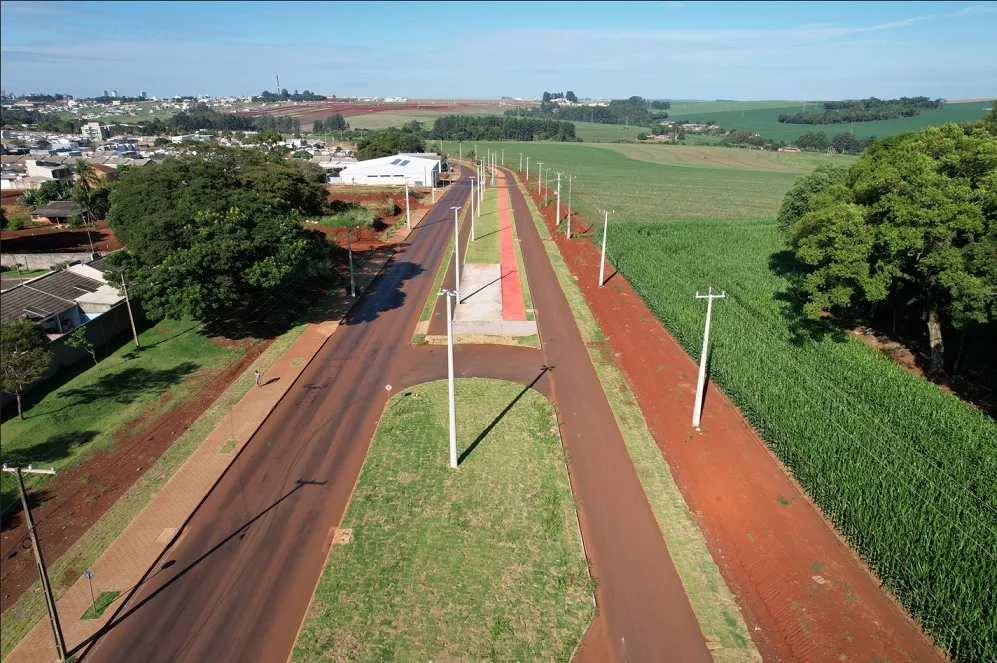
point(765, 121)
point(904, 470)
point(19, 618)
point(84, 414)
point(352, 218)
point(711, 600)
point(481, 563)
point(485, 249)
point(101, 604)
point(13, 273)
point(641, 190)
point(595, 132)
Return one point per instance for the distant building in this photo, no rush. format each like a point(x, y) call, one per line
point(114, 93)
point(95, 131)
point(203, 138)
point(47, 169)
point(58, 211)
point(142, 94)
point(104, 93)
point(411, 169)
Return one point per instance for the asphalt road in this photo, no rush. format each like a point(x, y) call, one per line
point(237, 585)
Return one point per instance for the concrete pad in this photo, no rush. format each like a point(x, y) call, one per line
point(480, 292)
point(495, 327)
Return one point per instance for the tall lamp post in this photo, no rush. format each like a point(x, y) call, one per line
point(349, 250)
point(450, 386)
point(472, 208)
point(456, 253)
point(697, 411)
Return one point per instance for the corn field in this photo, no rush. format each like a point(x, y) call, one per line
point(905, 471)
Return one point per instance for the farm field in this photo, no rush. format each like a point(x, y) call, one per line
point(594, 132)
point(639, 190)
point(765, 120)
point(393, 118)
point(899, 466)
point(482, 563)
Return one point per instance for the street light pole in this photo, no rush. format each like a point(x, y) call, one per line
point(349, 249)
point(456, 253)
point(540, 178)
point(472, 208)
point(697, 411)
point(527, 171)
point(53, 615)
point(602, 264)
point(450, 381)
point(503, 151)
point(520, 162)
point(131, 318)
point(408, 218)
point(558, 215)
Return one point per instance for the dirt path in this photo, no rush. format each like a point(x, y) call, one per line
point(804, 594)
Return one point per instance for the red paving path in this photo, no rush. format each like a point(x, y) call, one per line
point(513, 307)
point(804, 594)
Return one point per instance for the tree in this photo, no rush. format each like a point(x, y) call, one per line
point(387, 142)
point(25, 358)
point(847, 143)
point(78, 339)
point(546, 97)
point(89, 193)
point(813, 140)
point(160, 141)
point(914, 223)
point(797, 200)
point(570, 96)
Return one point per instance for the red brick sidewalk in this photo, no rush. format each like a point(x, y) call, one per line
point(513, 307)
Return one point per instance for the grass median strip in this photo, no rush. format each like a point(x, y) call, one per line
point(711, 600)
point(479, 563)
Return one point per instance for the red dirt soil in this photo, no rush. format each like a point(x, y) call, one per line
point(344, 108)
point(78, 497)
point(804, 594)
point(56, 239)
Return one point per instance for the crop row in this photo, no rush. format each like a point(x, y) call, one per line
point(905, 471)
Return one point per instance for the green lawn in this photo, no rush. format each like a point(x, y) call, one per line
point(765, 121)
point(14, 273)
point(481, 563)
point(485, 249)
point(595, 132)
point(84, 413)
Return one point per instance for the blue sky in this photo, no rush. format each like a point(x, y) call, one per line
point(680, 50)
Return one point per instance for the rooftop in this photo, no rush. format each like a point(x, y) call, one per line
point(45, 296)
point(58, 209)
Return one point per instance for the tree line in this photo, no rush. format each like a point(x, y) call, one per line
point(907, 238)
point(863, 110)
point(635, 110)
point(843, 143)
point(205, 118)
point(284, 95)
point(493, 127)
point(332, 123)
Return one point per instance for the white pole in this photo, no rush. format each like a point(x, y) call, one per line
point(527, 171)
point(349, 248)
point(602, 265)
point(570, 178)
point(456, 253)
point(697, 411)
point(558, 216)
point(408, 218)
point(503, 151)
point(520, 162)
point(540, 178)
point(453, 404)
point(472, 208)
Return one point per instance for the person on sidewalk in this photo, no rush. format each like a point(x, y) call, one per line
point(259, 378)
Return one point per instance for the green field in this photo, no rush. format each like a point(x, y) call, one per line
point(641, 190)
point(765, 120)
point(482, 563)
point(485, 248)
point(85, 413)
point(594, 132)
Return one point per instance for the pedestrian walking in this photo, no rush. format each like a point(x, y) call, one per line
point(259, 378)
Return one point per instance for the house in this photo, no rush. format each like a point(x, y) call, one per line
point(411, 169)
point(51, 170)
point(58, 211)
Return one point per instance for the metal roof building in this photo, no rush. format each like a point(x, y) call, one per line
point(411, 169)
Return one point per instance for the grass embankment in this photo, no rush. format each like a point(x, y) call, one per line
point(86, 412)
point(14, 273)
point(903, 469)
point(63, 572)
point(711, 600)
point(479, 563)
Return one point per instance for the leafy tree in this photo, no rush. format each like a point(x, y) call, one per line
point(642, 136)
point(798, 199)
point(846, 143)
point(302, 154)
point(25, 358)
point(153, 209)
point(546, 97)
point(914, 223)
point(49, 191)
point(570, 96)
point(161, 141)
point(78, 339)
point(90, 193)
point(387, 142)
point(813, 140)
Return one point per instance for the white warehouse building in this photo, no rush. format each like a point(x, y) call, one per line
point(411, 169)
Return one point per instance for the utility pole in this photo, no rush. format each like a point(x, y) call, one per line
point(558, 215)
point(602, 264)
point(408, 218)
point(450, 386)
point(503, 151)
point(349, 249)
point(520, 162)
point(472, 208)
point(460, 147)
point(570, 178)
point(697, 411)
point(456, 253)
point(494, 166)
point(131, 318)
point(527, 171)
point(53, 615)
point(540, 178)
